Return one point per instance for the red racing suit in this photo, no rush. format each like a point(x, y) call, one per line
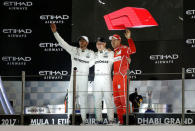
point(121, 65)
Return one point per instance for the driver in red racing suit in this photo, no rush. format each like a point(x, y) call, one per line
point(121, 65)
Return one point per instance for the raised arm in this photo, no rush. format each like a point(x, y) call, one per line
point(61, 42)
point(130, 41)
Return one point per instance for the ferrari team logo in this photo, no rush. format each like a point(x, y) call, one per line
point(117, 52)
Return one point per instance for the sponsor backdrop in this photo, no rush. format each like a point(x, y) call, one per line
point(61, 119)
point(27, 43)
point(189, 39)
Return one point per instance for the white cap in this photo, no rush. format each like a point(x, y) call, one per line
point(85, 38)
point(115, 36)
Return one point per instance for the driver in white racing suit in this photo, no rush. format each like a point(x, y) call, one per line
point(103, 60)
point(80, 58)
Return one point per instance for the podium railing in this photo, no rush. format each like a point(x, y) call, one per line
point(24, 78)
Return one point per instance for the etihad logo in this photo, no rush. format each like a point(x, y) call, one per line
point(164, 59)
point(53, 75)
point(17, 33)
point(54, 17)
point(58, 19)
point(191, 71)
point(191, 13)
point(191, 42)
point(18, 5)
point(50, 47)
point(14, 60)
point(134, 73)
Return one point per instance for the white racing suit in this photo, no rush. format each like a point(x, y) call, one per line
point(80, 59)
point(103, 83)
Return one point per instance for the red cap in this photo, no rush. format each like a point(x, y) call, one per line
point(115, 36)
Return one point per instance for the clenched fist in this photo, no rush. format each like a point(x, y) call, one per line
point(53, 28)
point(127, 34)
point(129, 60)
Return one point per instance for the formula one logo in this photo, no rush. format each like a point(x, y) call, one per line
point(50, 47)
point(58, 19)
point(164, 59)
point(16, 60)
point(53, 74)
point(134, 73)
point(17, 5)
point(190, 42)
point(191, 71)
point(191, 14)
point(17, 33)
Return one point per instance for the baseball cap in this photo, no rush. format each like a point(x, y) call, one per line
point(101, 39)
point(85, 38)
point(115, 36)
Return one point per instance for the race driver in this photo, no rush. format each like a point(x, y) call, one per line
point(103, 60)
point(121, 65)
point(80, 58)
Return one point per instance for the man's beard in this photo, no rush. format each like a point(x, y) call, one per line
point(113, 46)
point(83, 46)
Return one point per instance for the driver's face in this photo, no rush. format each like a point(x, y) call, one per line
point(115, 43)
point(83, 43)
point(100, 45)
